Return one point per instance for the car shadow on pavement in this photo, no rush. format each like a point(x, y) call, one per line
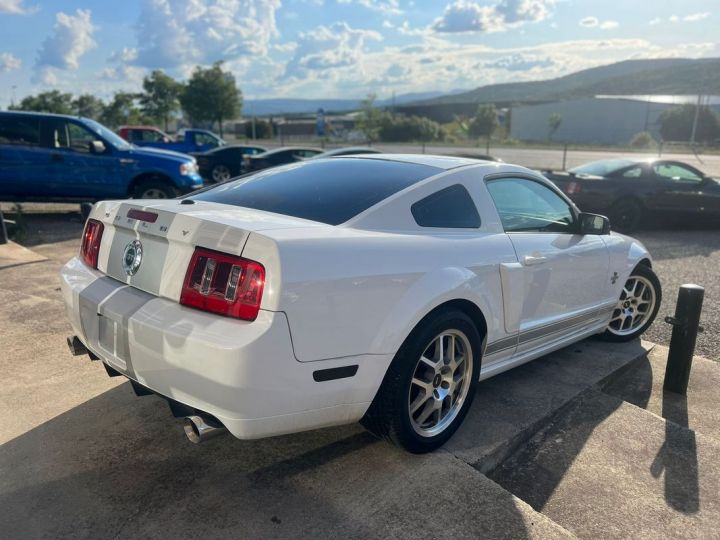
point(537, 470)
point(120, 466)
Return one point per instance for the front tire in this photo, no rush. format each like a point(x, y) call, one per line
point(637, 306)
point(625, 215)
point(429, 385)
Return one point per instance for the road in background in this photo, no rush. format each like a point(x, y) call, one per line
point(534, 158)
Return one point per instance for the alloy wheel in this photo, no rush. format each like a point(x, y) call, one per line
point(636, 304)
point(440, 383)
point(221, 173)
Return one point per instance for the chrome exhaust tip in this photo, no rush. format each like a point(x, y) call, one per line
point(198, 430)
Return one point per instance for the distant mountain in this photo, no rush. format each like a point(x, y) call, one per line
point(652, 76)
point(279, 106)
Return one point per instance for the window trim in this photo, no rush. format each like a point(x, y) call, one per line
point(543, 182)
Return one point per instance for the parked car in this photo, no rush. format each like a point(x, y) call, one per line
point(628, 190)
point(221, 164)
point(346, 151)
point(377, 288)
point(279, 156)
point(187, 141)
point(50, 157)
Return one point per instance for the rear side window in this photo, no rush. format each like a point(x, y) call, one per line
point(329, 191)
point(19, 130)
point(451, 208)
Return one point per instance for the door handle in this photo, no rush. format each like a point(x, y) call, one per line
point(57, 157)
point(531, 260)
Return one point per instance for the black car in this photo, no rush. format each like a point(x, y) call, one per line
point(628, 190)
point(346, 151)
point(279, 156)
point(222, 163)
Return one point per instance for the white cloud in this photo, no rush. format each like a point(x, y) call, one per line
point(14, 7)
point(328, 47)
point(656, 20)
point(70, 40)
point(125, 55)
point(520, 62)
point(594, 22)
point(178, 33)
point(696, 17)
point(9, 62)
point(389, 7)
point(469, 16)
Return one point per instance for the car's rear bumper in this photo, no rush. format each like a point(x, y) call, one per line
point(243, 373)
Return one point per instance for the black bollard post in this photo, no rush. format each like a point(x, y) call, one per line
point(686, 324)
point(3, 230)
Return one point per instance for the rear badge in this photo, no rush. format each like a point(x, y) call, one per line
point(132, 258)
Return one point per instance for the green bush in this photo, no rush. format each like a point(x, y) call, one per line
point(643, 140)
point(401, 128)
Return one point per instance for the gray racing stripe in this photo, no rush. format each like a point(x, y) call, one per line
point(88, 301)
point(117, 312)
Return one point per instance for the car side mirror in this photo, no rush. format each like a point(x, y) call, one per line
point(97, 147)
point(593, 224)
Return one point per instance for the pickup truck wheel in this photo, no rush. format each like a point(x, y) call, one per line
point(155, 189)
point(625, 215)
point(221, 173)
point(429, 385)
point(637, 306)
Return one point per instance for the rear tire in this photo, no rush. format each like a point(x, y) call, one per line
point(155, 189)
point(637, 306)
point(428, 389)
point(625, 215)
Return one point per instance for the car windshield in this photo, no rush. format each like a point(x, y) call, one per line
point(328, 191)
point(110, 136)
point(602, 167)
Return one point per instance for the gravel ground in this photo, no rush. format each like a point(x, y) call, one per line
point(687, 256)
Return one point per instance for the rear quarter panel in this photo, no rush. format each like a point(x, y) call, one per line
point(362, 292)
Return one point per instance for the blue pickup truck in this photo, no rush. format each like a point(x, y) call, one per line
point(187, 141)
point(49, 157)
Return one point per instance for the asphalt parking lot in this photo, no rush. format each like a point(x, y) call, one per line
point(82, 456)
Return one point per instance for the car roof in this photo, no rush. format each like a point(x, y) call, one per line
point(287, 149)
point(39, 114)
point(440, 162)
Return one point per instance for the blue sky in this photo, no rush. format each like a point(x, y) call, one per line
point(336, 48)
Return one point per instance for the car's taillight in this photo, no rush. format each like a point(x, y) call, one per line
point(90, 247)
point(573, 187)
point(223, 284)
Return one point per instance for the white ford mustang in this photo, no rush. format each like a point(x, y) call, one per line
point(377, 288)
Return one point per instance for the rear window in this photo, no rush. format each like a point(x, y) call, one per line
point(22, 130)
point(329, 191)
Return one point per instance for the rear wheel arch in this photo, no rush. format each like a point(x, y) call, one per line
point(387, 415)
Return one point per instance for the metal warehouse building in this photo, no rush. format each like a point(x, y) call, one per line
point(599, 119)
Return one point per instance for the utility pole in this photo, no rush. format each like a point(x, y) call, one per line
point(12, 97)
point(695, 121)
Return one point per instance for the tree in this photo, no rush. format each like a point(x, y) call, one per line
point(211, 96)
point(263, 129)
point(88, 106)
point(369, 119)
point(121, 110)
point(676, 124)
point(484, 123)
point(643, 139)
point(53, 101)
point(400, 128)
point(160, 97)
point(554, 121)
